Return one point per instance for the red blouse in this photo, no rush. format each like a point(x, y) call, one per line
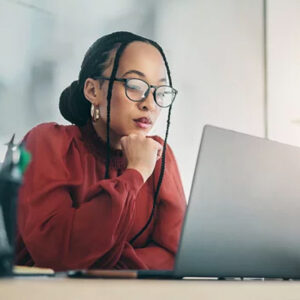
point(70, 217)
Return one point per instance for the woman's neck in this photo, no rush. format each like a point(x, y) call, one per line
point(100, 129)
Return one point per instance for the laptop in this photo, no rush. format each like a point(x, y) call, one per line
point(243, 215)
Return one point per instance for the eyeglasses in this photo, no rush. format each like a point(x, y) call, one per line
point(137, 90)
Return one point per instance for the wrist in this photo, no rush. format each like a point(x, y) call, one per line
point(141, 170)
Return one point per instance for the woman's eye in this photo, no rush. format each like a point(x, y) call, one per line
point(163, 94)
point(134, 87)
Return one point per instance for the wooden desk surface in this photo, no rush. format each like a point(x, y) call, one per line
point(64, 288)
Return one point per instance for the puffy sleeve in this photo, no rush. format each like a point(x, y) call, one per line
point(161, 249)
point(56, 232)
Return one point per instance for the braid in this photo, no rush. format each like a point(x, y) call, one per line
point(166, 62)
point(109, 94)
point(163, 157)
point(107, 162)
point(161, 175)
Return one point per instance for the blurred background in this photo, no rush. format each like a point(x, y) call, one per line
point(236, 63)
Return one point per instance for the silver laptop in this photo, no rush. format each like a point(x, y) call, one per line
point(243, 218)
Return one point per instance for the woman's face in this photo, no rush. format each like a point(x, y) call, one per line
point(139, 60)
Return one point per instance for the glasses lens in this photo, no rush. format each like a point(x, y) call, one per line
point(165, 96)
point(136, 89)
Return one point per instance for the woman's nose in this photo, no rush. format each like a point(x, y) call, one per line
point(148, 103)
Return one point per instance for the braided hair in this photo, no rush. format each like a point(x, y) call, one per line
point(76, 109)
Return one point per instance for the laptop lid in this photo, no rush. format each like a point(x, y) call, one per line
point(243, 217)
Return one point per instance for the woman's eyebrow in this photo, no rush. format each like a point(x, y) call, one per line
point(134, 72)
point(140, 74)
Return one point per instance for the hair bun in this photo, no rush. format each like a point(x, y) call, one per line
point(73, 106)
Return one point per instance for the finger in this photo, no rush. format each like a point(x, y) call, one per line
point(123, 141)
point(124, 137)
point(158, 146)
point(159, 153)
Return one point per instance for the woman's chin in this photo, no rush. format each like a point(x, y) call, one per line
point(139, 132)
point(143, 132)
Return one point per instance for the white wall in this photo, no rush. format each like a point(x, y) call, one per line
point(283, 28)
point(215, 49)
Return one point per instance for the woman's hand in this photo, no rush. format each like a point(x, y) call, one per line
point(141, 153)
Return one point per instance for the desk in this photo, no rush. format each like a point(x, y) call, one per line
point(64, 288)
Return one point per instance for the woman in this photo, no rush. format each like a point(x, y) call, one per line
point(100, 193)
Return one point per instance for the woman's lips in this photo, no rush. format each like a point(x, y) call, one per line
point(143, 123)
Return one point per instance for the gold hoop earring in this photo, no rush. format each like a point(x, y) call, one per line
point(95, 112)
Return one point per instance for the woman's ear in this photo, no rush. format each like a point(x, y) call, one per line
point(91, 91)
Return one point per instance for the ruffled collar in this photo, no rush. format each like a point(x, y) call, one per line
point(97, 146)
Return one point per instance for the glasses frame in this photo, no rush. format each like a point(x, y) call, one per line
point(155, 87)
